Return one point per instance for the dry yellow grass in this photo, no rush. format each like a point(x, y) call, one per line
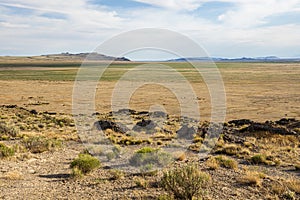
point(13, 175)
point(293, 185)
point(252, 178)
point(212, 163)
point(223, 161)
point(254, 91)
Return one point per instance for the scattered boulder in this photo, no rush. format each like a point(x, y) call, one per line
point(105, 124)
point(158, 114)
point(285, 121)
point(233, 139)
point(186, 132)
point(254, 127)
point(50, 113)
point(95, 114)
point(11, 106)
point(124, 111)
point(240, 122)
point(143, 113)
point(144, 125)
point(211, 129)
point(34, 112)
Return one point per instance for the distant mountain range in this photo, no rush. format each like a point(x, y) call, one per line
point(242, 59)
point(79, 57)
point(90, 56)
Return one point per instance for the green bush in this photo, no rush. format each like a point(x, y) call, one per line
point(6, 151)
point(146, 150)
point(185, 182)
point(84, 164)
point(148, 158)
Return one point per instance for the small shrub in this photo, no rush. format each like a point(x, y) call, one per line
point(7, 131)
point(6, 151)
point(39, 144)
point(278, 188)
point(289, 195)
point(259, 159)
point(110, 156)
point(149, 158)
point(84, 164)
point(117, 150)
point(165, 197)
point(293, 185)
point(146, 150)
point(185, 182)
point(141, 182)
point(197, 139)
point(287, 188)
point(227, 162)
point(114, 153)
point(212, 163)
point(77, 172)
point(117, 174)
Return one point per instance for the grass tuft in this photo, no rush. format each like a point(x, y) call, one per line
point(259, 159)
point(6, 151)
point(252, 178)
point(226, 162)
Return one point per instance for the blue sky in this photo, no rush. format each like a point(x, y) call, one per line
point(224, 28)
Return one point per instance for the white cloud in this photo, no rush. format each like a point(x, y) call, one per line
point(37, 33)
point(174, 4)
point(253, 13)
point(81, 26)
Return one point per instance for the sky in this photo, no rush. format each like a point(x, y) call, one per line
point(224, 28)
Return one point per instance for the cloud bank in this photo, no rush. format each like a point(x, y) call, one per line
point(225, 28)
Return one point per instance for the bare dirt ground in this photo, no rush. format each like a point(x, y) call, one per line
point(260, 93)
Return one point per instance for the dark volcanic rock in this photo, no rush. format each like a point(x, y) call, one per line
point(158, 114)
point(11, 106)
point(144, 125)
point(233, 139)
point(143, 113)
point(285, 121)
point(211, 130)
point(125, 111)
point(33, 112)
point(186, 132)
point(104, 125)
point(240, 122)
point(50, 113)
point(254, 127)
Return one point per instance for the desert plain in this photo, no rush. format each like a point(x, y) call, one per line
point(257, 158)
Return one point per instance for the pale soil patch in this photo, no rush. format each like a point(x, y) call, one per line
point(256, 101)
